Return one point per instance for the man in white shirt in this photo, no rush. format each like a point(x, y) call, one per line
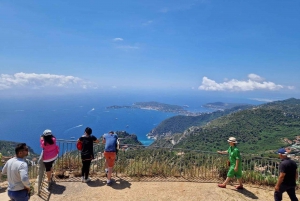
point(16, 170)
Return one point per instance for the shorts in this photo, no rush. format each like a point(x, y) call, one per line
point(21, 195)
point(231, 173)
point(110, 158)
point(48, 165)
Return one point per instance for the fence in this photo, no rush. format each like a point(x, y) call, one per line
point(157, 163)
point(138, 162)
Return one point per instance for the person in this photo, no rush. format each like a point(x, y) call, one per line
point(50, 152)
point(2, 158)
point(87, 153)
point(16, 170)
point(111, 142)
point(287, 177)
point(235, 168)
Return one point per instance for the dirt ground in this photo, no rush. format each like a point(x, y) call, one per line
point(123, 190)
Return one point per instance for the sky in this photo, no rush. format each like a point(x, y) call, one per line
point(232, 47)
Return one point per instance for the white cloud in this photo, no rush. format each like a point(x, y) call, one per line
point(255, 82)
point(255, 77)
point(128, 47)
point(118, 39)
point(37, 81)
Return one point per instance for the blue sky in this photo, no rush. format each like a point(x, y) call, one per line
point(233, 47)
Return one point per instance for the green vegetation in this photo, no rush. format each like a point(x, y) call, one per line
point(258, 129)
point(127, 138)
point(178, 124)
point(7, 148)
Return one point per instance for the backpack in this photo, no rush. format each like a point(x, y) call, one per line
point(79, 145)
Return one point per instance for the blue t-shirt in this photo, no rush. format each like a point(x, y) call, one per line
point(110, 142)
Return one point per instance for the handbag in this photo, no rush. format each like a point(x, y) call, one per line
point(79, 145)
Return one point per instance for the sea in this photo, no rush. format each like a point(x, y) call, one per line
point(25, 119)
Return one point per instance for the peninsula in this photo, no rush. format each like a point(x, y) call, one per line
point(152, 105)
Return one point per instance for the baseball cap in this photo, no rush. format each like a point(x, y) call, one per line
point(47, 132)
point(281, 151)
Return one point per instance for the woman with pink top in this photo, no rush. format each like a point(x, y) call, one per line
point(50, 152)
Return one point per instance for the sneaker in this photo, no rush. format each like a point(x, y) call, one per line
point(82, 179)
point(87, 180)
point(109, 183)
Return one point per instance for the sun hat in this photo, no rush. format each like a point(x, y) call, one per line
point(232, 139)
point(47, 132)
point(281, 151)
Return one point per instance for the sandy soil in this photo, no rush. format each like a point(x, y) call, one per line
point(123, 190)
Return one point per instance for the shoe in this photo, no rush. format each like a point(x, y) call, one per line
point(87, 180)
point(239, 187)
point(82, 179)
point(221, 185)
point(109, 183)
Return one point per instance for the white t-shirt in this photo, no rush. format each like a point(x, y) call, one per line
point(16, 170)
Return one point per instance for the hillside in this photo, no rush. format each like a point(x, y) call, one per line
point(257, 130)
point(7, 148)
point(178, 124)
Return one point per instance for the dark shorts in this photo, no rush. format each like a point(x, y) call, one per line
point(21, 195)
point(48, 165)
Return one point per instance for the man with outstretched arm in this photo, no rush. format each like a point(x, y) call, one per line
point(110, 140)
point(287, 177)
point(16, 170)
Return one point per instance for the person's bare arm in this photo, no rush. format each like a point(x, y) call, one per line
point(222, 152)
point(280, 180)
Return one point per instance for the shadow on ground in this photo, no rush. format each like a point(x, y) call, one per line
point(247, 193)
point(96, 183)
point(120, 184)
point(55, 189)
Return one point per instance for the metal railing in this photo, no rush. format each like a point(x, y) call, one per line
point(142, 163)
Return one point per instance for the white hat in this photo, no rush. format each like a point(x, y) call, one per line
point(232, 139)
point(47, 132)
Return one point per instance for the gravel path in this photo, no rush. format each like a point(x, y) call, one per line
point(123, 190)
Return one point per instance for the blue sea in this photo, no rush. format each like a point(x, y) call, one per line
point(25, 119)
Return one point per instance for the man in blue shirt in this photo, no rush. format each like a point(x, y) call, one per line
point(111, 141)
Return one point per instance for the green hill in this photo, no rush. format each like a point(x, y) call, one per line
point(178, 124)
point(258, 129)
point(7, 148)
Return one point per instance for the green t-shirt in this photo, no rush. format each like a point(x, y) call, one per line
point(234, 154)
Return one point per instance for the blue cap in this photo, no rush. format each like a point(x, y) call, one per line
point(281, 151)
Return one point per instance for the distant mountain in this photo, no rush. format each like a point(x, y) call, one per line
point(258, 129)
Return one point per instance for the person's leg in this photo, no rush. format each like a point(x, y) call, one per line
point(230, 175)
point(111, 156)
point(292, 194)
point(18, 195)
point(87, 169)
point(278, 194)
point(82, 171)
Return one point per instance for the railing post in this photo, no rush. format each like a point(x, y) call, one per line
point(41, 172)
